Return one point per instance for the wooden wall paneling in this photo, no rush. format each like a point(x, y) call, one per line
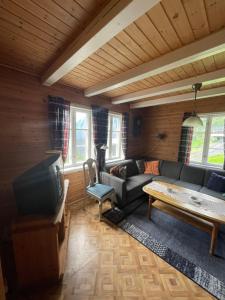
point(2, 288)
point(168, 119)
point(24, 134)
point(76, 194)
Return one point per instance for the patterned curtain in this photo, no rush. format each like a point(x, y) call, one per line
point(100, 133)
point(125, 126)
point(185, 142)
point(59, 124)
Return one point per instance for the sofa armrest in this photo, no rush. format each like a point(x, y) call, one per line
point(118, 184)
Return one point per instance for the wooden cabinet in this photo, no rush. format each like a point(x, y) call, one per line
point(40, 246)
point(2, 288)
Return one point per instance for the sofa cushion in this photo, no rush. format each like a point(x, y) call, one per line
point(131, 167)
point(188, 185)
point(209, 192)
point(170, 169)
point(134, 185)
point(208, 173)
point(192, 174)
point(164, 179)
point(216, 183)
point(141, 166)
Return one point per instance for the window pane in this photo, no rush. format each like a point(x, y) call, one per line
point(81, 153)
point(198, 142)
point(115, 144)
point(216, 143)
point(81, 145)
point(81, 120)
point(115, 123)
point(81, 137)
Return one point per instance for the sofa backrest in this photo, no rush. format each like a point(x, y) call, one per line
point(192, 174)
point(170, 169)
point(129, 163)
point(208, 172)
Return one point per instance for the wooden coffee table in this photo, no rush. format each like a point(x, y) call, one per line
point(203, 206)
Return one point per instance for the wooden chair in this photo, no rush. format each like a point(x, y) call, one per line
point(94, 189)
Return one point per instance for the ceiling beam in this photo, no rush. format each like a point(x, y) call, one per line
point(116, 16)
point(208, 78)
point(215, 92)
point(210, 45)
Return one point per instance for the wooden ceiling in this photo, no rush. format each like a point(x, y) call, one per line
point(33, 33)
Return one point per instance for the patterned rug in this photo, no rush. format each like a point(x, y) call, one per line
point(180, 244)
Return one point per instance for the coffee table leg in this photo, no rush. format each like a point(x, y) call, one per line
point(214, 238)
point(150, 201)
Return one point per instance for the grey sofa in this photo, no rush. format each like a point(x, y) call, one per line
point(194, 178)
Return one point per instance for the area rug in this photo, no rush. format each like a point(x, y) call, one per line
point(180, 244)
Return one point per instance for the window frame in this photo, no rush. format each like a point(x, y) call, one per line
point(207, 134)
point(110, 131)
point(72, 140)
point(71, 161)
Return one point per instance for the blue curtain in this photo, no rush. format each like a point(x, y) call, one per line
point(100, 133)
point(125, 128)
point(59, 124)
point(185, 141)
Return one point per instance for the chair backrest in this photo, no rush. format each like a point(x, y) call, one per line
point(91, 171)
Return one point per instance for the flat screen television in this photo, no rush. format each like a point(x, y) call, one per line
point(39, 191)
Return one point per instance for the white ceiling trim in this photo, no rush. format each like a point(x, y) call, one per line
point(208, 78)
point(208, 46)
point(116, 16)
point(215, 92)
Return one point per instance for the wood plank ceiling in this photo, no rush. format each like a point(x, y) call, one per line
point(34, 32)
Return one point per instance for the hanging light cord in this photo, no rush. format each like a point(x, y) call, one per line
point(196, 87)
point(196, 90)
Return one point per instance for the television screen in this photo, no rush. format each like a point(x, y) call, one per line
point(40, 189)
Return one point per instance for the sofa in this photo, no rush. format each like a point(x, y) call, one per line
point(130, 189)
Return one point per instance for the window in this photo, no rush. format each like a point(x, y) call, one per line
point(114, 150)
point(207, 146)
point(81, 145)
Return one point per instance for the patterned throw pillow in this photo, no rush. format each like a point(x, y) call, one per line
point(152, 167)
point(123, 172)
point(141, 166)
point(119, 171)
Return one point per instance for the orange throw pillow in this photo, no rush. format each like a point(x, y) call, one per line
point(152, 167)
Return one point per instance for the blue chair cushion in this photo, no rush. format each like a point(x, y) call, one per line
point(100, 190)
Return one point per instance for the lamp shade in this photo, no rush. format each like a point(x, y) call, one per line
point(193, 121)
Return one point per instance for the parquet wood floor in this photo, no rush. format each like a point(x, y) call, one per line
point(105, 263)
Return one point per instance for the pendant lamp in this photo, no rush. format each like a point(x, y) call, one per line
point(194, 120)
